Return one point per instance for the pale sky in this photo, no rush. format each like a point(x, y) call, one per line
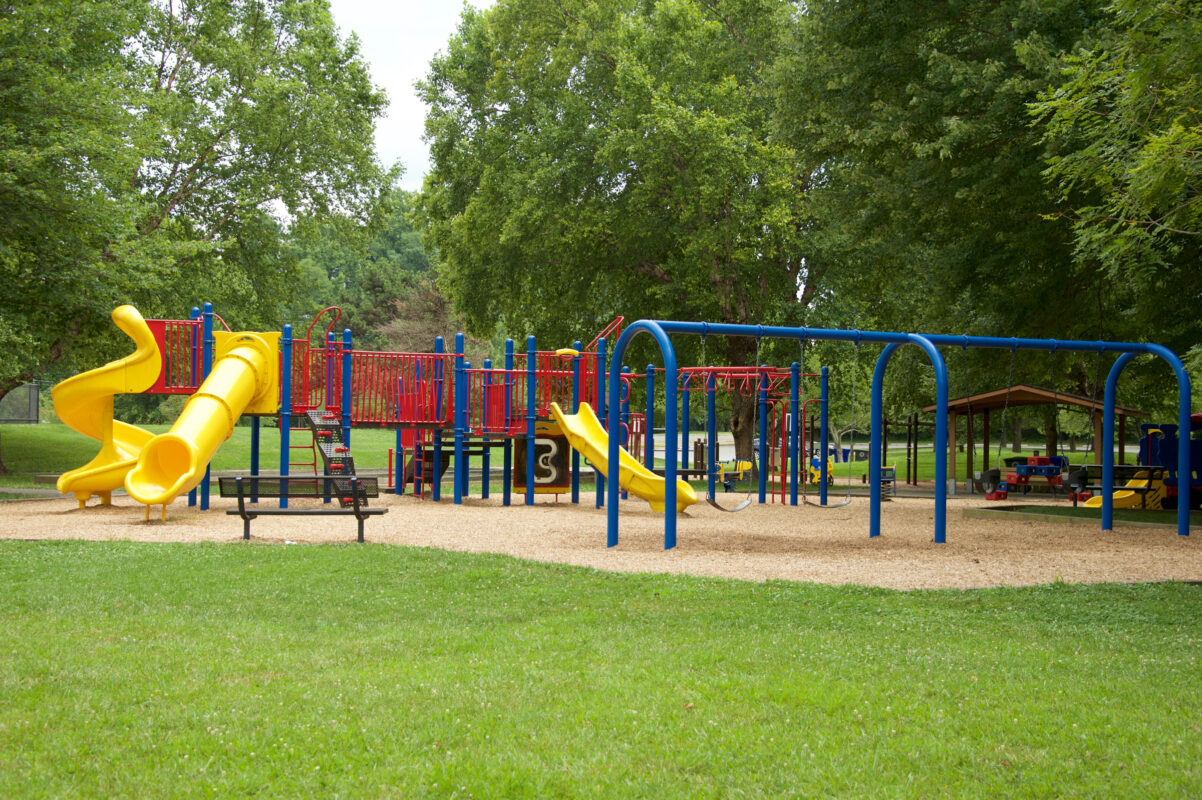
point(398, 40)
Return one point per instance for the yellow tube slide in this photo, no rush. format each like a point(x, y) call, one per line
point(585, 433)
point(85, 404)
point(243, 375)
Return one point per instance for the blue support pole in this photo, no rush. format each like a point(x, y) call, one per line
point(439, 385)
point(467, 429)
point(194, 351)
point(824, 439)
point(671, 410)
point(484, 457)
point(1107, 443)
point(649, 422)
point(711, 435)
point(209, 352)
point(398, 483)
point(1184, 403)
point(254, 454)
point(460, 419)
point(347, 369)
point(285, 410)
point(876, 440)
point(507, 457)
point(531, 414)
point(601, 415)
point(763, 466)
point(795, 422)
point(576, 410)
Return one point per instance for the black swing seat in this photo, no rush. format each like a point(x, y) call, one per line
point(350, 492)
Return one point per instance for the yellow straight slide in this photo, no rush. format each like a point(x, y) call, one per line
point(244, 379)
point(585, 433)
point(85, 404)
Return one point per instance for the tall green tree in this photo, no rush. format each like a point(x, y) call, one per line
point(190, 124)
point(929, 207)
point(368, 270)
point(1125, 129)
point(616, 157)
point(67, 154)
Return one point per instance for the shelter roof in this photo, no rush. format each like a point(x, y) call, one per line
point(1023, 394)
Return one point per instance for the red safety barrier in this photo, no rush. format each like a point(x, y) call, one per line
point(181, 349)
point(402, 388)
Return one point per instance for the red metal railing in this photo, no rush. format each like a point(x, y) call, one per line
point(181, 349)
point(402, 388)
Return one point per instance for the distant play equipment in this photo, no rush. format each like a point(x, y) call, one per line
point(1156, 481)
point(1050, 468)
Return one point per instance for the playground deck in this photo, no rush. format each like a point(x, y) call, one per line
point(763, 543)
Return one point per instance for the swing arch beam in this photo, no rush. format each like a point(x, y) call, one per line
point(660, 330)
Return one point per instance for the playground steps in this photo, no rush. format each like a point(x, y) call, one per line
point(301, 421)
point(327, 440)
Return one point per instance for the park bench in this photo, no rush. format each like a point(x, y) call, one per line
point(349, 492)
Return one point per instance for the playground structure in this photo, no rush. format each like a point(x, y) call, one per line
point(438, 403)
point(332, 387)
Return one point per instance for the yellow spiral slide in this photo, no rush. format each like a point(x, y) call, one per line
point(85, 404)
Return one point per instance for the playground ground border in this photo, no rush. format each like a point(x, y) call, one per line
point(763, 543)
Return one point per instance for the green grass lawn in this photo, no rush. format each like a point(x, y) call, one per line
point(54, 448)
point(376, 671)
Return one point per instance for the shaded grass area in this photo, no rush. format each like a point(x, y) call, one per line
point(1158, 516)
point(54, 448)
point(272, 671)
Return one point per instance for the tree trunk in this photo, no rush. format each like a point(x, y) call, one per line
point(743, 422)
point(1017, 445)
point(1049, 430)
point(743, 425)
point(8, 386)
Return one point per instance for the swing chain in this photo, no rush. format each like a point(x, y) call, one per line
point(1093, 403)
point(1055, 405)
point(1006, 408)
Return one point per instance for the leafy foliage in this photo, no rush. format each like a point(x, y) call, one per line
point(1127, 133)
point(592, 159)
point(147, 149)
